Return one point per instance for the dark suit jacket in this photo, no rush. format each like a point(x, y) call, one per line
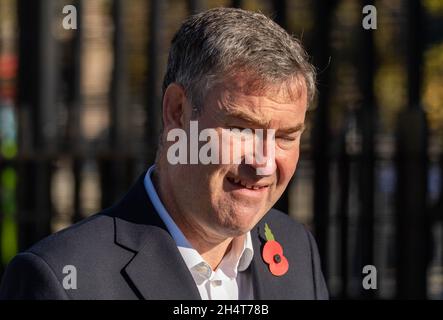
point(126, 252)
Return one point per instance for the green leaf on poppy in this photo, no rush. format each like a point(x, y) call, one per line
point(268, 233)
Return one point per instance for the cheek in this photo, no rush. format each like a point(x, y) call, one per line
point(286, 164)
point(215, 175)
point(193, 178)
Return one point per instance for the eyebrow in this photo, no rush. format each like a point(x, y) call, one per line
point(300, 127)
point(240, 115)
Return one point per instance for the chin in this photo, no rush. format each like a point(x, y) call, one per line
point(235, 230)
point(243, 221)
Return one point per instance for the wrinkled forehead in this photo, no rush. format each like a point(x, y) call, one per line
point(281, 103)
point(288, 91)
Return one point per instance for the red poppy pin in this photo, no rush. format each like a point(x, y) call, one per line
point(273, 254)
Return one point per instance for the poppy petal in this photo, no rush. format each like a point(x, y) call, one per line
point(270, 249)
point(279, 269)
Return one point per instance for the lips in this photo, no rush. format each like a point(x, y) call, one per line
point(247, 184)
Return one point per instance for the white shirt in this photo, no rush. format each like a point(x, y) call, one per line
point(231, 280)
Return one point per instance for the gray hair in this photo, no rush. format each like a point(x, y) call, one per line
point(215, 44)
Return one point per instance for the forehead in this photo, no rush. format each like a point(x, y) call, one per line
point(283, 103)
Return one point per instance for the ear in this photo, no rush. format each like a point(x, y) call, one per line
point(174, 102)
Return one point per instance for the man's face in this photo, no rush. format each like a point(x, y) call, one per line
point(227, 200)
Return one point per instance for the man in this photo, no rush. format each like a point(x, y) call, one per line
point(194, 230)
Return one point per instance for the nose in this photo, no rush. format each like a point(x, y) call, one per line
point(263, 159)
point(267, 169)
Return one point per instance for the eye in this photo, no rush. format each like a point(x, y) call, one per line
point(235, 128)
point(287, 138)
point(287, 142)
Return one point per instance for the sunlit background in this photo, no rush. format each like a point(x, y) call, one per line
point(80, 114)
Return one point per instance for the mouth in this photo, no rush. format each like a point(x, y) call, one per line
point(241, 183)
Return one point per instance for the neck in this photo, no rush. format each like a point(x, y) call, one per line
point(210, 246)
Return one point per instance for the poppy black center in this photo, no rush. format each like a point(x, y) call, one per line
point(277, 258)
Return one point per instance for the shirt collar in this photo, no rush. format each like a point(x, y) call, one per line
point(237, 259)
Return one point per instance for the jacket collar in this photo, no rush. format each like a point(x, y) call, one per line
point(156, 270)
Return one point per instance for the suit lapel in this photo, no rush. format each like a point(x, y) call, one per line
point(266, 285)
point(155, 269)
point(158, 271)
point(259, 278)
